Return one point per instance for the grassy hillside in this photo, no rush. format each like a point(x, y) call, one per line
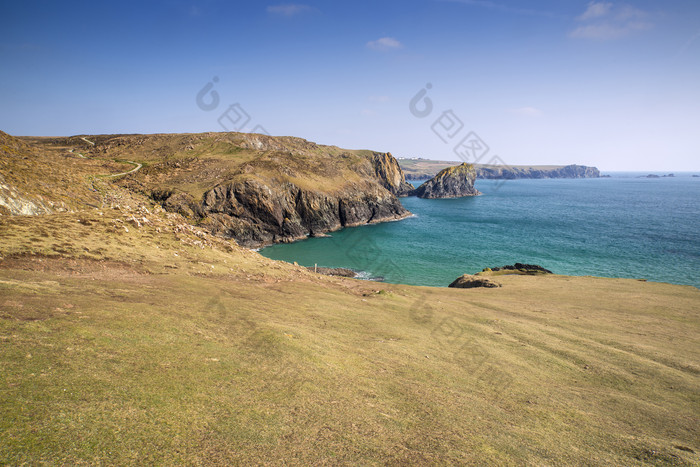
point(129, 336)
point(255, 189)
point(193, 163)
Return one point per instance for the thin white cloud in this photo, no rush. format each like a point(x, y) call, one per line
point(607, 21)
point(384, 44)
point(596, 10)
point(290, 9)
point(526, 111)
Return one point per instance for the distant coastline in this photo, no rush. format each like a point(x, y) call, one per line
point(420, 169)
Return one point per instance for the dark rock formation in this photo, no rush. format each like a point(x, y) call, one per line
point(290, 189)
point(389, 172)
point(452, 182)
point(342, 272)
point(256, 213)
point(520, 268)
point(468, 281)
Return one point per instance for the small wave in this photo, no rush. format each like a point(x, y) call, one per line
point(366, 276)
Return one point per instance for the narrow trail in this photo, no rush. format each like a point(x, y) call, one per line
point(138, 166)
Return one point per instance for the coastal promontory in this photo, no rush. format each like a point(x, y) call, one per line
point(253, 188)
point(452, 182)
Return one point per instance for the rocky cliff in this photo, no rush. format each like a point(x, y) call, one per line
point(258, 212)
point(253, 188)
point(260, 190)
point(452, 182)
point(389, 172)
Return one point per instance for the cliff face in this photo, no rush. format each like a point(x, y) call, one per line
point(255, 212)
point(452, 182)
point(260, 190)
point(389, 172)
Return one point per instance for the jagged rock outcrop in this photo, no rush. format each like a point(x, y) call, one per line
point(517, 268)
point(452, 182)
point(468, 281)
point(511, 173)
point(256, 213)
point(283, 189)
point(342, 272)
point(389, 172)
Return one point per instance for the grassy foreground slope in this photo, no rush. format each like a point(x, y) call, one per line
point(164, 344)
point(129, 336)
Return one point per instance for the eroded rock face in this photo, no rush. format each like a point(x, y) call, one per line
point(467, 281)
point(260, 189)
point(255, 213)
point(392, 177)
point(452, 182)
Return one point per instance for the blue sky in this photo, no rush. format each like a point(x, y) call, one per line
point(611, 84)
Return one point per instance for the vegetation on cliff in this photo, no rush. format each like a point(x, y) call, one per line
point(451, 182)
point(255, 189)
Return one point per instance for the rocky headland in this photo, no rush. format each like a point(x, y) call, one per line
point(255, 189)
point(452, 182)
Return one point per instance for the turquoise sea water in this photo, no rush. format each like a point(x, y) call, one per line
point(622, 226)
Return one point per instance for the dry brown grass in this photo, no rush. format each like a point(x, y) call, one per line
point(144, 347)
point(128, 336)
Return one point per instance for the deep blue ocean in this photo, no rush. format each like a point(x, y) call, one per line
point(623, 226)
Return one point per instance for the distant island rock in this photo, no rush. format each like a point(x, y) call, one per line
point(452, 182)
point(657, 176)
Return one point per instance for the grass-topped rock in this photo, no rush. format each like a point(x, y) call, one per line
point(452, 182)
point(468, 281)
